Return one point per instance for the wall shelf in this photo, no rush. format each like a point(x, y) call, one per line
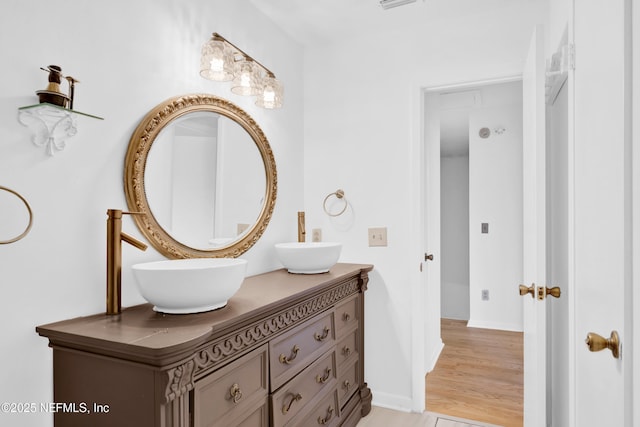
point(51, 124)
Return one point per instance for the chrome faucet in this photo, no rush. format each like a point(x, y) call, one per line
point(301, 231)
point(115, 236)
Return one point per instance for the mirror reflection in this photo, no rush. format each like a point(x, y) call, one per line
point(205, 180)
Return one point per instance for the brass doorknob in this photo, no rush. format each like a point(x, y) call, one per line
point(597, 343)
point(530, 290)
point(554, 292)
point(428, 257)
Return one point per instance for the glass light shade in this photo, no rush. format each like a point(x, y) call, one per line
point(271, 93)
point(247, 78)
point(216, 62)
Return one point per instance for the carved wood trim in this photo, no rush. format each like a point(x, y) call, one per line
point(182, 377)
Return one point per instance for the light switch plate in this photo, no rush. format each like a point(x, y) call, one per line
point(378, 236)
point(485, 228)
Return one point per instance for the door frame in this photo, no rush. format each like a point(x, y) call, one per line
point(635, 168)
point(419, 284)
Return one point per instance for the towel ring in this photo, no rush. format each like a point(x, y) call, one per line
point(25, 232)
point(340, 195)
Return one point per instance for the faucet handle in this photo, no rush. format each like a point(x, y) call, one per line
point(117, 213)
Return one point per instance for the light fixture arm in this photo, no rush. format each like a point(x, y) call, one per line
point(247, 57)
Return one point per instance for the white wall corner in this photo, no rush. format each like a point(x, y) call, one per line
point(392, 401)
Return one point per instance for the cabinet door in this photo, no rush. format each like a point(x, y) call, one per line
point(232, 391)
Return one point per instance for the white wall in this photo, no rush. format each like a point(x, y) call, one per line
point(454, 196)
point(495, 197)
point(362, 131)
point(129, 56)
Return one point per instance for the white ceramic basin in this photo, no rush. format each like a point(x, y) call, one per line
point(182, 286)
point(308, 257)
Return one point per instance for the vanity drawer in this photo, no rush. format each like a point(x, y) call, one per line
point(348, 380)
point(347, 348)
point(326, 413)
point(347, 315)
point(291, 352)
point(232, 390)
point(304, 389)
point(257, 418)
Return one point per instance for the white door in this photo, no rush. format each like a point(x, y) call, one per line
point(534, 232)
point(602, 260)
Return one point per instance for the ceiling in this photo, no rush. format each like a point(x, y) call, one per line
point(321, 22)
point(324, 21)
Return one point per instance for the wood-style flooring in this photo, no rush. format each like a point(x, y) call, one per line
point(479, 375)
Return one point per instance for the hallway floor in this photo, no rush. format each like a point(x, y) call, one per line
point(479, 375)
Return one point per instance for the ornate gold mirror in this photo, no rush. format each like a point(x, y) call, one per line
point(204, 175)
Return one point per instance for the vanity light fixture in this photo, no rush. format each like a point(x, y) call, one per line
point(222, 61)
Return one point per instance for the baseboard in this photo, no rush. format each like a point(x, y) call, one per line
point(391, 401)
point(484, 324)
point(431, 362)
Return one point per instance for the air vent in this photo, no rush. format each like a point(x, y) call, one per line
point(388, 4)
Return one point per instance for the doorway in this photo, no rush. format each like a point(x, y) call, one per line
point(479, 176)
point(481, 204)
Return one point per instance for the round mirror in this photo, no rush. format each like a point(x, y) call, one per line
point(203, 173)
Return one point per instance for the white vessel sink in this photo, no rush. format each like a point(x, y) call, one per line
point(195, 285)
point(308, 257)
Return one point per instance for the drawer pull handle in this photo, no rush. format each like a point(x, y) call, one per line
point(235, 393)
point(325, 334)
point(294, 353)
point(346, 351)
point(326, 419)
point(322, 380)
point(346, 385)
point(294, 398)
point(346, 316)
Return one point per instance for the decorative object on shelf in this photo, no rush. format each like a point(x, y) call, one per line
point(222, 61)
point(339, 195)
point(26, 231)
point(53, 120)
point(52, 94)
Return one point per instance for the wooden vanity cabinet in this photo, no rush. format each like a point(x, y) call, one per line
point(286, 351)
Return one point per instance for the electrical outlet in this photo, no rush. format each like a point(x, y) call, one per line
point(485, 228)
point(378, 236)
point(485, 295)
point(316, 235)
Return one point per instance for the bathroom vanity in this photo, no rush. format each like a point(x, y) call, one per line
point(287, 350)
